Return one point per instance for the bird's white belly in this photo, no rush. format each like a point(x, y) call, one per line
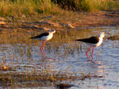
point(47, 37)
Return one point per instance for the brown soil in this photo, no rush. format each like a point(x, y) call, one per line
point(100, 18)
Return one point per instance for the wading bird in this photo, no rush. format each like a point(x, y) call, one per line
point(94, 42)
point(44, 37)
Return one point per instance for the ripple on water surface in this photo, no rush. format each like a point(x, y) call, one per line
point(67, 57)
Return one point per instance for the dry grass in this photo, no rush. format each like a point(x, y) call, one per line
point(13, 36)
point(18, 8)
point(15, 77)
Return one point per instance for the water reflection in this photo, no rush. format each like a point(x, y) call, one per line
point(27, 58)
point(64, 86)
point(98, 72)
point(66, 57)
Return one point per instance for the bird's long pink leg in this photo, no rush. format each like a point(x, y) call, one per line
point(92, 53)
point(42, 50)
point(87, 53)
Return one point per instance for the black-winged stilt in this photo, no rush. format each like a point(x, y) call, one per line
point(94, 42)
point(44, 37)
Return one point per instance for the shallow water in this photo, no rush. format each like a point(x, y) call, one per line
point(70, 58)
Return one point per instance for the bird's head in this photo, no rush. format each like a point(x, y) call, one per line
point(52, 31)
point(102, 35)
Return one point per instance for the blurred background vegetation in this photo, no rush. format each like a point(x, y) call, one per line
point(36, 7)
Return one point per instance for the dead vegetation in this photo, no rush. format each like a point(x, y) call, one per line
point(72, 21)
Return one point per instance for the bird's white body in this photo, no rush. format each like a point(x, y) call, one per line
point(46, 38)
point(99, 42)
point(93, 42)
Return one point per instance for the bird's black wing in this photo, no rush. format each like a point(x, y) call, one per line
point(40, 36)
point(92, 40)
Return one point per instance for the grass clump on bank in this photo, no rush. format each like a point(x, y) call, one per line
point(87, 5)
point(35, 7)
point(92, 5)
point(27, 7)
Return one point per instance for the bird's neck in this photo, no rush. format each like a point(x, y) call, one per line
point(50, 33)
point(100, 38)
point(100, 41)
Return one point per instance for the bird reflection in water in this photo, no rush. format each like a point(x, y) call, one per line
point(46, 36)
point(64, 86)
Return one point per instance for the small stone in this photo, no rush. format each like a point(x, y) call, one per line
point(44, 28)
point(69, 26)
point(36, 26)
point(2, 23)
point(4, 68)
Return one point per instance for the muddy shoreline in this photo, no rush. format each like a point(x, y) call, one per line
point(81, 20)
